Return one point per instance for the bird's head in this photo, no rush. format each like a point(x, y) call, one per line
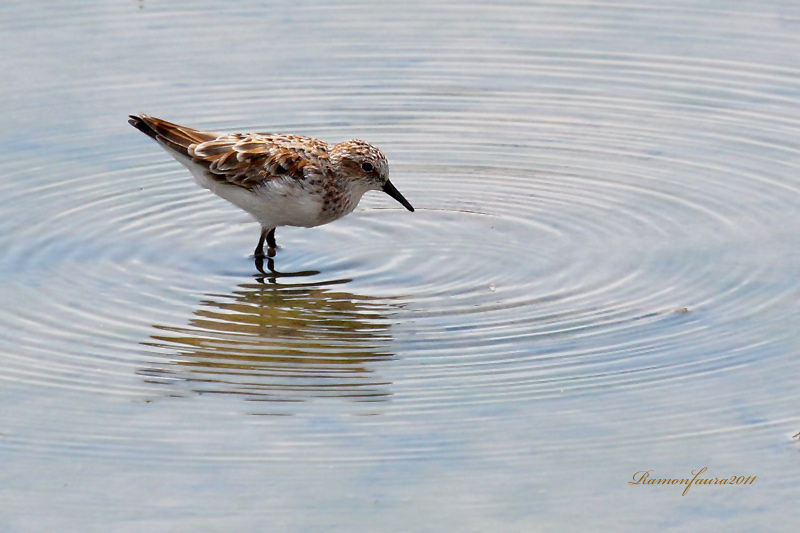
point(367, 167)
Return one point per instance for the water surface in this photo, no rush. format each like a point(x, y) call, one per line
point(600, 277)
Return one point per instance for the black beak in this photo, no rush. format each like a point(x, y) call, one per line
point(394, 193)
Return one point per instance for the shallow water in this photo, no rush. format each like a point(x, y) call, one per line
point(600, 277)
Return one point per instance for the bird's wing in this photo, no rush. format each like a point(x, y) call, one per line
point(245, 160)
point(251, 159)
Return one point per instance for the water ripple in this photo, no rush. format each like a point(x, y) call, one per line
point(587, 220)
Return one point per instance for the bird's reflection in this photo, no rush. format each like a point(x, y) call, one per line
point(279, 338)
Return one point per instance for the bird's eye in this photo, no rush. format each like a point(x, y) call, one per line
point(366, 167)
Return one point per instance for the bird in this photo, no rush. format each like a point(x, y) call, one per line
point(279, 179)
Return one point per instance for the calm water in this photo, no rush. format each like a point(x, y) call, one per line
point(601, 276)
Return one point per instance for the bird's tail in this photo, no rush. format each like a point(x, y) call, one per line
point(139, 122)
point(173, 136)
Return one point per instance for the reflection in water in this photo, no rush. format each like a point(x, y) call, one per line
point(274, 341)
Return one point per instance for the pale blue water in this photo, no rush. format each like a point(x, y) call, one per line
point(600, 277)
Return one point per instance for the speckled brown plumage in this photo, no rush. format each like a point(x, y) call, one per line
point(282, 180)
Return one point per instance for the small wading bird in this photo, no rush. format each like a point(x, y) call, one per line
point(281, 180)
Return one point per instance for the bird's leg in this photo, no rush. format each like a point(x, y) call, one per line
point(259, 252)
point(271, 239)
point(260, 246)
point(270, 242)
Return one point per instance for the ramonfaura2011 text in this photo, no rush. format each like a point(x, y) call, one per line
point(642, 477)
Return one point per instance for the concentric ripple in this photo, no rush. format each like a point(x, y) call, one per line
point(604, 233)
point(564, 253)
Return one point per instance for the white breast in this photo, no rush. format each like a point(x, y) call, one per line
point(279, 202)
